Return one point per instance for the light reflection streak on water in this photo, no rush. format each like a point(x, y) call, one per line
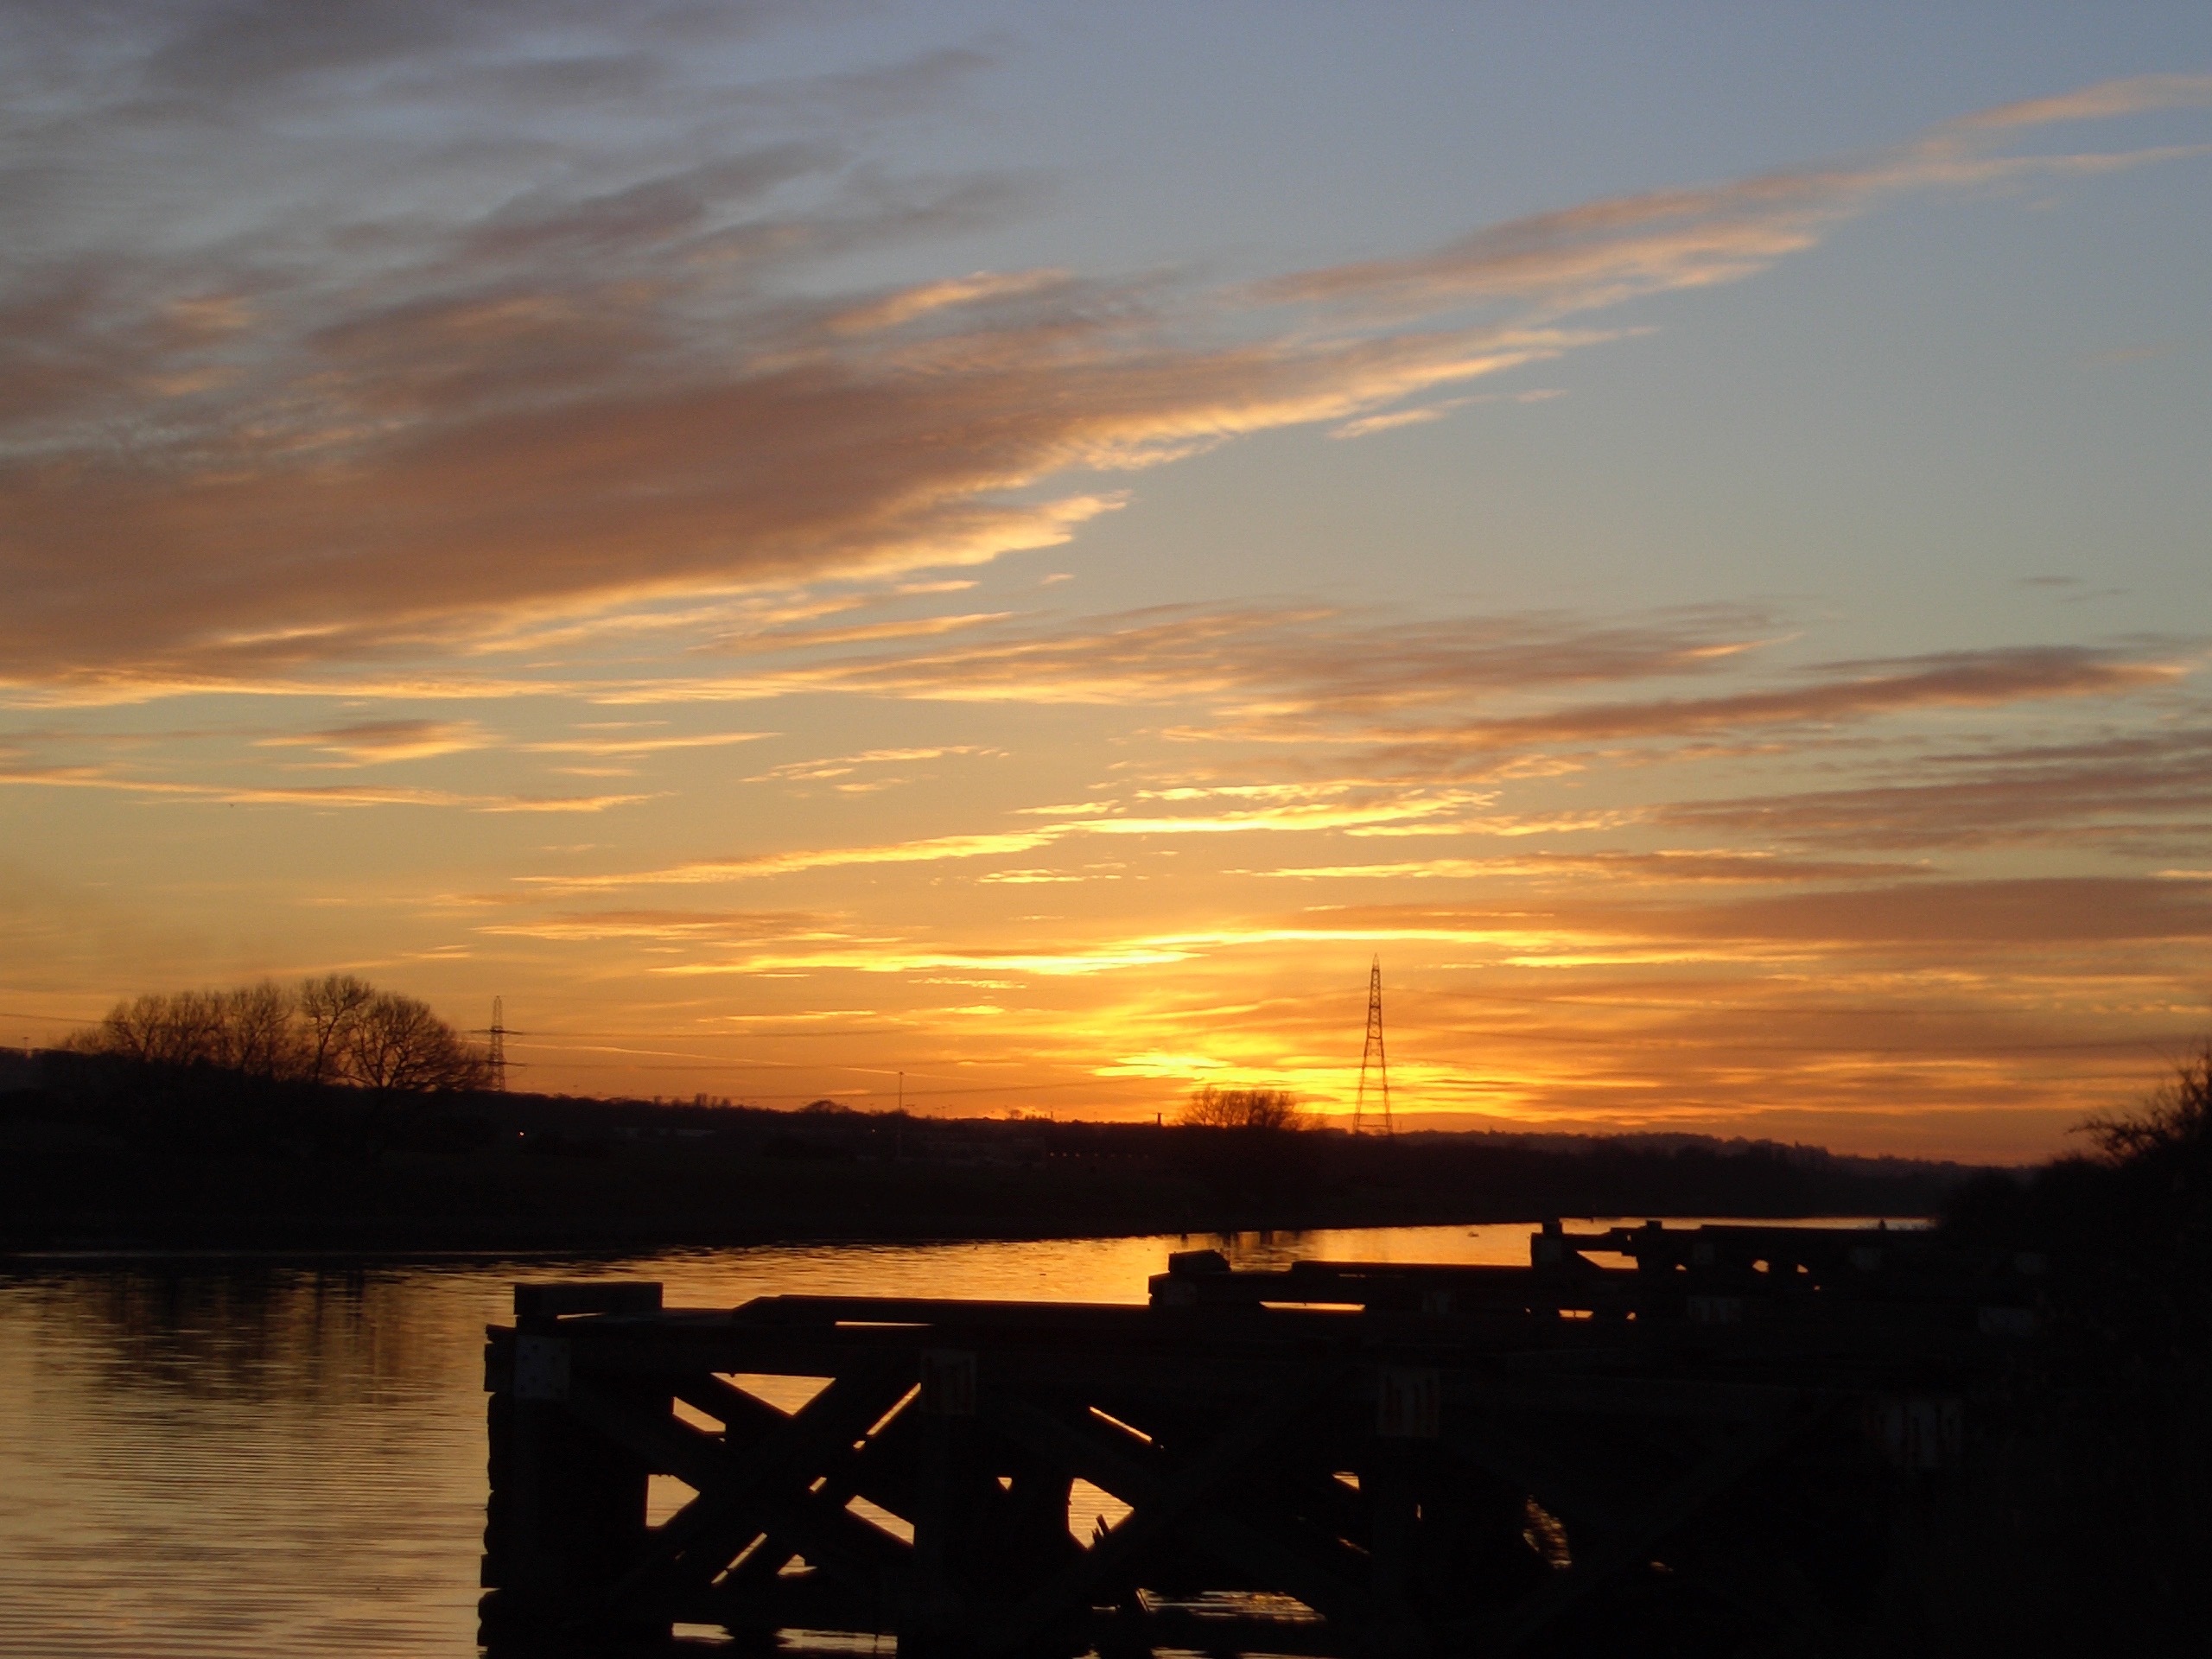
point(232, 1458)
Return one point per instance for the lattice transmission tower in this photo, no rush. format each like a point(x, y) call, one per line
point(1373, 1057)
point(496, 1054)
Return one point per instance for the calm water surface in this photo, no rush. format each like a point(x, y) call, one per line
point(224, 1457)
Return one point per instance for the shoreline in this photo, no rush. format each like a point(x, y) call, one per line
point(34, 1260)
point(334, 1175)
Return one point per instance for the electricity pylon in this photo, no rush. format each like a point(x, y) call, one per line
point(495, 1050)
point(496, 1056)
point(1373, 1055)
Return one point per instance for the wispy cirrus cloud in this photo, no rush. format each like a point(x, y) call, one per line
point(621, 746)
point(1375, 811)
point(390, 388)
point(1955, 918)
point(1294, 673)
point(376, 741)
point(1662, 866)
point(891, 959)
point(670, 926)
point(94, 777)
point(1904, 925)
point(2132, 95)
point(2153, 789)
point(934, 849)
point(1353, 817)
point(1602, 253)
point(1826, 694)
point(844, 765)
point(1259, 659)
point(1419, 780)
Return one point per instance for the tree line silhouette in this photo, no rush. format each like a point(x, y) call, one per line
point(2098, 1538)
point(1212, 1107)
point(337, 1029)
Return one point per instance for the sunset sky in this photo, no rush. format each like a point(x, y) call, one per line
point(1021, 544)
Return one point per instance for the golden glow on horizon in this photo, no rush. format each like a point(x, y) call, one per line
point(560, 571)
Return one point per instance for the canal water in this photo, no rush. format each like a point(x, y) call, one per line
point(233, 1458)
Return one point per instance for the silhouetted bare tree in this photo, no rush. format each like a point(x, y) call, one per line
point(248, 1030)
point(1215, 1107)
point(259, 1036)
point(142, 1029)
point(396, 1044)
point(335, 1029)
point(329, 1009)
point(2173, 1123)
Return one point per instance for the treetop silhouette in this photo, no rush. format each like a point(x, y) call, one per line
point(336, 1029)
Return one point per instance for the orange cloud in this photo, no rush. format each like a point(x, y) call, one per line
point(1602, 253)
point(639, 745)
point(1665, 867)
point(1838, 693)
point(380, 741)
point(739, 870)
point(306, 795)
point(660, 926)
point(557, 390)
point(2151, 789)
point(1263, 660)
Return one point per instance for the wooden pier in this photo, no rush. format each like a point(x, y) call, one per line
point(1721, 1440)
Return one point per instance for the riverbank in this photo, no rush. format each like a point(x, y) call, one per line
point(177, 1168)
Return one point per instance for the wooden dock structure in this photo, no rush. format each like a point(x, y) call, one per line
point(1721, 1440)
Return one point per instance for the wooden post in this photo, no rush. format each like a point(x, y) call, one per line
point(936, 1608)
point(567, 1516)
